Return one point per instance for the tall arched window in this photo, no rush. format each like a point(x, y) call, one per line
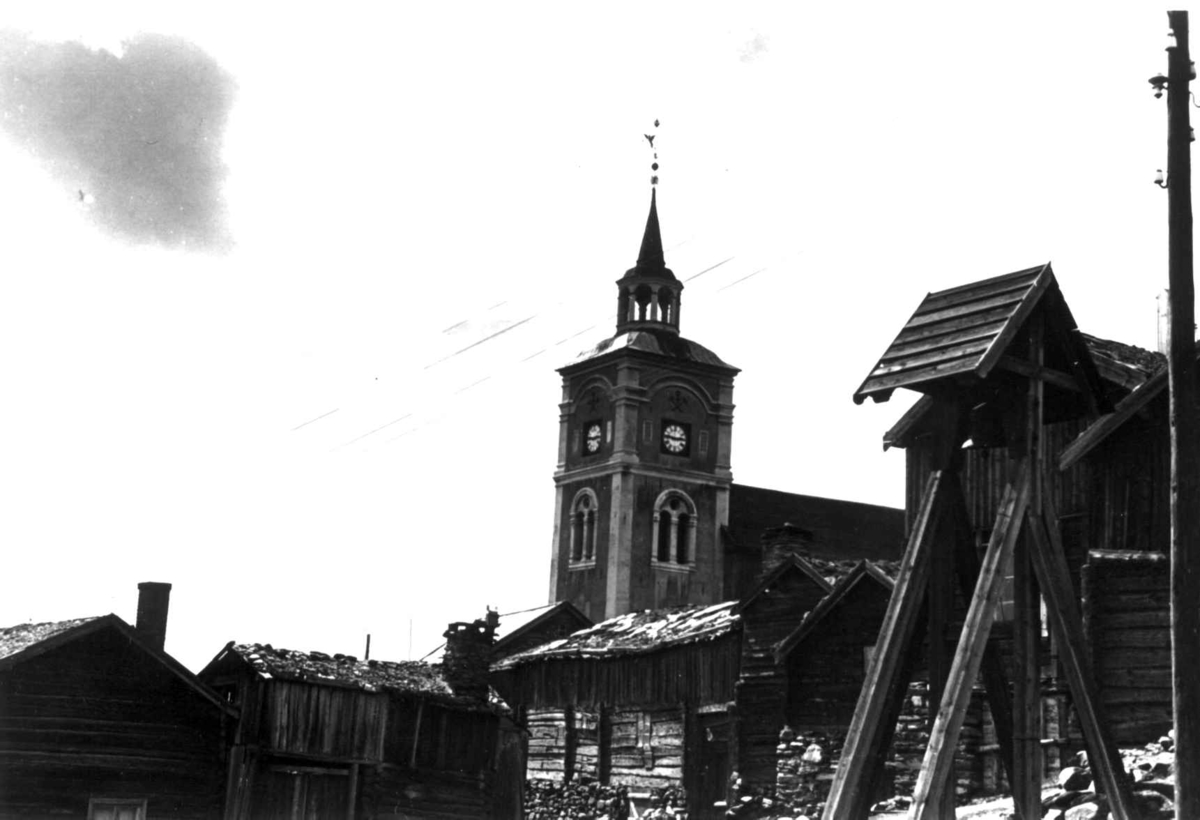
point(584, 510)
point(674, 535)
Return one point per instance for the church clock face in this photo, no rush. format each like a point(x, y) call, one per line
point(674, 439)
point(594, 436)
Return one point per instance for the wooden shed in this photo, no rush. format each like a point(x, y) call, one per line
point(682, 698)
point(635, 701)
point(325, 736)
point(98, 722)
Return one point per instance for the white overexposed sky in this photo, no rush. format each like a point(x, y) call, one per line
point(295, 418)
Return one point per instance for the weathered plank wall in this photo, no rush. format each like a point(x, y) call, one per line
point(98, 717)
point(699, 673)
point(1127, 621)
point(987, 470)
point(398, 793)
point(331, 722)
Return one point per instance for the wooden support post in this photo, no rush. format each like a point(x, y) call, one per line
point(940, 602)
point(882, 692)
point(1027, 616)
point(1066, 627)
point(412, 760)
point(352, 791)
point(939, 756)
point(1027, 702)
point(1185, 429)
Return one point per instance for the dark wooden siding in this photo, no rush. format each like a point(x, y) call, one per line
point(326, 721)
point(99, 717)
point(1126, 610)
point(697, 673)
point(762, 686)
point(827, 670)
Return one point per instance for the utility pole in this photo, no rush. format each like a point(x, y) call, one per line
point(1185, 469)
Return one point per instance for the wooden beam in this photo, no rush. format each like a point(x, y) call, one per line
point(1032, 371)
point(1185, 427)
point(940, 605)
point(939, 755)
point(880, 698)
point(412, 760)
point(1027, 616)
point(995, 682)
point(1027, 690)
point(1066, 627)
point(352, 793)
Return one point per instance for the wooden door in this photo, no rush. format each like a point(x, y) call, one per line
point(712, 746)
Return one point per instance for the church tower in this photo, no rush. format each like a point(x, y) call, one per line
point(643, 478)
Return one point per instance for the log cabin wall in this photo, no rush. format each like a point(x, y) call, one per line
point(826, 672)
point(99, 717)
point(761, 693)
point(646, 748)
point(1127, 621)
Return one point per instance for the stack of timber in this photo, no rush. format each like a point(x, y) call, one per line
point(1127, 619)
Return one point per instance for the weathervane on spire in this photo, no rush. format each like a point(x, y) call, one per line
point(653, 165)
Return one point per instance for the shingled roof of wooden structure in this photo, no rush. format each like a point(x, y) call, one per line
point(883, 575)
point(637, 632)
point(1123, 368)
point(958, 337)
point(25, 642)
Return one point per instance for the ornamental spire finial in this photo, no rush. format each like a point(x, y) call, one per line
point(653, 165)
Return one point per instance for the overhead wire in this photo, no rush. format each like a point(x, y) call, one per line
point(493, 372)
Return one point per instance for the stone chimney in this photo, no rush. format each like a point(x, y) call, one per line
point(781, 543)
point(468, 655)
point(153, 601)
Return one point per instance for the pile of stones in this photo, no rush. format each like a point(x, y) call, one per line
point(1151, 768)
point(547, 800)
point(588, 800)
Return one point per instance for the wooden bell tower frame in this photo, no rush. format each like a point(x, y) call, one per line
point(1007, 346)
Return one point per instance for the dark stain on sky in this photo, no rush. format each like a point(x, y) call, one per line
point(135, 139)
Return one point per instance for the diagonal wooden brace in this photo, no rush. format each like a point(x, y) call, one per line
point(995, 682)
point(880, 699)
point(939, 755)
point(1066, 627)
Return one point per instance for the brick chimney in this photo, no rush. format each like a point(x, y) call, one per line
point(153, 601)
point(468, 654)
point(781, 543)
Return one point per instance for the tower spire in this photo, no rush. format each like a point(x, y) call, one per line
point(648, 293)
point(651, 257)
